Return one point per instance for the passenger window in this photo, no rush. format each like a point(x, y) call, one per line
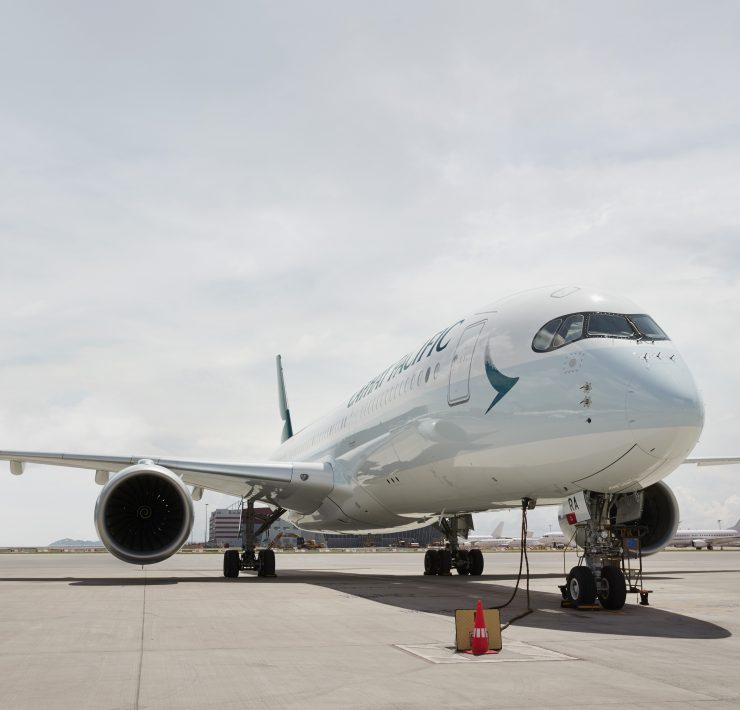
point(610, 325)
point(543, 340)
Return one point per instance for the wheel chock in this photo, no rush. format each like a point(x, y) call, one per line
point(567, 603)
point(644, 593)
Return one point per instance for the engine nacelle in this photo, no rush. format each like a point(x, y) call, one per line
point(144, 514)
point(654, 507)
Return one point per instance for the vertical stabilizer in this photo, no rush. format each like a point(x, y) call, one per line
point(736, 526)
point(283, 402)
point(498, 530)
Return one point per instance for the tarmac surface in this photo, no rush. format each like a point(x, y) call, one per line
point(357, 630)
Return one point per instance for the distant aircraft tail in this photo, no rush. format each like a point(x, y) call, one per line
point(500, 528)
point(736, 526)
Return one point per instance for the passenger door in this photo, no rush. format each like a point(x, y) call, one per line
point(462, 360)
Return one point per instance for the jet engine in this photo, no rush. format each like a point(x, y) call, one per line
point(654, 509)
point(144, 514)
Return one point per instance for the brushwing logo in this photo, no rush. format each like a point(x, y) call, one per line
point(500, 382)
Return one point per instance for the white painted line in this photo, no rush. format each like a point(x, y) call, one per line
point(513, 652)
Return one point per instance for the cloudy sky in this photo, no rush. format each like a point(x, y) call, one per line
point(187, 189)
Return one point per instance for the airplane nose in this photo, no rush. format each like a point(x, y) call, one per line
point(663, 405)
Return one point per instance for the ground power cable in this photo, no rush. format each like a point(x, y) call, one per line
point(523, 563)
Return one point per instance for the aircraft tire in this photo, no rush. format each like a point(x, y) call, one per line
point(613, 589)
point(463, 562)
point(266, 563)
point(476, 562)
point(445, 563)
point(431, 562)
point(231, 563)
point(581, 586)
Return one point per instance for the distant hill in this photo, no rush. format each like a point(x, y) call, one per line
point(68, 542)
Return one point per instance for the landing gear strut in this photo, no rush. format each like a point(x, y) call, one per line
point(600, 576)
point(263, 561)
point(441, 562)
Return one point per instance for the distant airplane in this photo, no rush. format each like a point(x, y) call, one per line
point(556, 539)
point(532, 541)
point(554, 394)
point(495, 539)
point(707, 537)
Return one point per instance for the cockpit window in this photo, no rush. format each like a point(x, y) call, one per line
point(569, 328)
point(543, 340)
point(648, 328)
point(611, 325)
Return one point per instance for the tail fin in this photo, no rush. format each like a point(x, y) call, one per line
point(498, 530)
point(283, 402)
point(736, 526)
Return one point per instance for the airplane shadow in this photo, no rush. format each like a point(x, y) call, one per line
point(443, 595)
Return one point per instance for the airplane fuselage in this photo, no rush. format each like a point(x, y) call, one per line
point(706, 538)
point(482, 414)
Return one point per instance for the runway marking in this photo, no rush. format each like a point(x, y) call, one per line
point(512, 652)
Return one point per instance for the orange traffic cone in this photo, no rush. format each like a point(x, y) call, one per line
point(479, 634)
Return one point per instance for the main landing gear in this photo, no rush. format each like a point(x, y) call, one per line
point(263, 561)
point(466, 562)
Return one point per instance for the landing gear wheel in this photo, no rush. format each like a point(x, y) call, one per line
point(581, 586)
point(445, 563)
point(431, 562)
point(612, 588)
point(232, 563)
point(476, 562)
point(266, 563)
point(462, 562)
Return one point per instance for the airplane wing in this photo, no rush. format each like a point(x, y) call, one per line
point(729, 540)
point(714, 461)
point(296, 486)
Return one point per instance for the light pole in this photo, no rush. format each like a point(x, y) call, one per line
point(205, 535)
point(719, 522)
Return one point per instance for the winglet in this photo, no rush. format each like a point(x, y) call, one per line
point(283, 402)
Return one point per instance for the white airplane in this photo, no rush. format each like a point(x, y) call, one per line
point(707, 538)
point(532, 541)
point(554, 394)
point(495, 539)
point(555, 539)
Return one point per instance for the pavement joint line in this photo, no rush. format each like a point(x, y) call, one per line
point(141, 647)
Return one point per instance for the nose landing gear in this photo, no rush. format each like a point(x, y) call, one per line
point(602, 574)
point(583, 587)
